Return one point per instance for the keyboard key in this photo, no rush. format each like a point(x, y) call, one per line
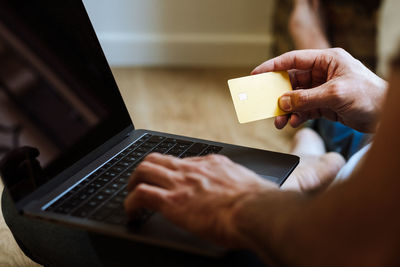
point(140, 216)
point(109, 174)
point(117, 169)
point(123, 164)
point(206, 152)
point(112, 205)
point(175, 152)
point(188, 155)
point(171, 140)
point(131, 158)
point(91, 190)
point(82, 212)
point(146, 147)
point(118, 199)
point(101, 214)
point(144, 138)
point(166, 145)
point(211, 150)
point(155, 139)
point(123, 193)
point(109, 191)
point(161, 150)
point(126, 175)
point(116, 219)
point(122, 180)
point(123, 153)
point(96, 185)
point(83, 196)
point(93, 203)
point(142, 150)
point(136, 154)
point(104, 179)
point(215, 149)
point(183, 142)
point(101, 197)
point(130, 149)
point(197, 148)
point(75, 201)
point(116, 185)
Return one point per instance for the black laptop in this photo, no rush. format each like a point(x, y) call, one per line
point(67, 143)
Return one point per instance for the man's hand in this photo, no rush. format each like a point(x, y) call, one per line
point(328, 83)
point(199, 194)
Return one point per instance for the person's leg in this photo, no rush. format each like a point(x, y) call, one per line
point(340, 138)
point(317, 168)
point(306, 25)
point(307, 29)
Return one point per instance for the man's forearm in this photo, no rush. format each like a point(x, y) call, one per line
point(341, 227)
point(262, 220)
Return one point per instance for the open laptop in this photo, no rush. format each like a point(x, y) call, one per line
point(67, 143)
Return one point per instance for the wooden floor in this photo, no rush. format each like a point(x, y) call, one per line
point(192, 102)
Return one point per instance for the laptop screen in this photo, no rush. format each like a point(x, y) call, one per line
point(58, 98)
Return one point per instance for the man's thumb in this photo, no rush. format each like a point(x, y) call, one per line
point(300, 100)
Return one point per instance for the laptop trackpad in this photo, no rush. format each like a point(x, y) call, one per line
point(273, 166)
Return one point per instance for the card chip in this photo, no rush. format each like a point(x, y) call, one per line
point(242, 96)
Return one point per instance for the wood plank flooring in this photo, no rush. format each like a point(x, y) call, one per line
point(192, 102)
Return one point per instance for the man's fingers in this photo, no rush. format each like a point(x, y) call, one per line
point(194, 159)
point(297, 119)
point(164, 160)
point(170, 162)
point(146, 196)
point(307, 99)
point(300, 79)
point(152, 173)
point(299, 59)
point(281, 121)
point(294, 119)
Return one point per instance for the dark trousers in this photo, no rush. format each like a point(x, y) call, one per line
point(340, 138)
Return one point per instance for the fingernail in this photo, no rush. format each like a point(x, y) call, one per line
point(285, 104)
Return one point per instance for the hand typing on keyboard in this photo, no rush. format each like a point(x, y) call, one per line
point(185, 190)
point(100, 196)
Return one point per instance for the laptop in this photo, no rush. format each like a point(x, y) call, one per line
point(67, 143)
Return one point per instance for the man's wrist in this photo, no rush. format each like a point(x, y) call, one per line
point(261, 219)
point(382, 87)
point(243, 212)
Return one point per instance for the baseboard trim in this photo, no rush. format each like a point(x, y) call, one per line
point(123, 49)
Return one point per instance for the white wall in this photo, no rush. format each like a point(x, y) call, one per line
point(183, 32)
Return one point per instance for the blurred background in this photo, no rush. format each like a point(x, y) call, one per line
point(183, 33)
point(219, 33)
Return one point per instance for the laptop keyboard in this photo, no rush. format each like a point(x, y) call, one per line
point(101, 195)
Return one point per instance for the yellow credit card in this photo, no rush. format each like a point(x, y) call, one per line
point(256, 97)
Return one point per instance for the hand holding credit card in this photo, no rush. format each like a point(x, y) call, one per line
point(256, 97)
